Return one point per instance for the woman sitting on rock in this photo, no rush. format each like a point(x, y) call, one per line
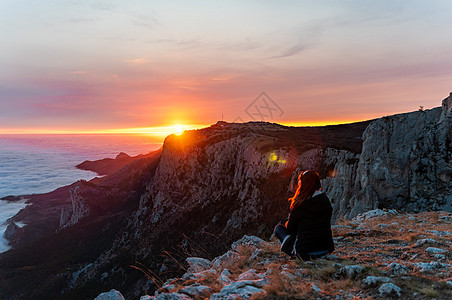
point(307, 233)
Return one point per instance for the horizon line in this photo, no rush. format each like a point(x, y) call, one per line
point(164, 130)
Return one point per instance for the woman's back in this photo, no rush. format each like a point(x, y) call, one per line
point(307, 233)
point(311, 222)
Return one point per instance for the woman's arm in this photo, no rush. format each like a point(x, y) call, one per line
point(294, 220)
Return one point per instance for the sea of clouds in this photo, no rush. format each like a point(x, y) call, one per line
point(41, 164)
point(7, 210)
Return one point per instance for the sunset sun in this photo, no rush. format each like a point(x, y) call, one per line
point(178, 130)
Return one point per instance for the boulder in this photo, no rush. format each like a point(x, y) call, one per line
point(428, 241)
point(224, 277)
point(197, 264)
point(251, 274)
point(350, 271)
point(241, 290)
point(110, 295)
point(373, 281)
point(248, 240)
point(12, 230)
point(399, 269)
point(390, 290)
point(434, 250)
point(196, 291)
point(376, 213)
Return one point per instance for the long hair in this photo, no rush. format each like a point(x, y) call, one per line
point(308, 183)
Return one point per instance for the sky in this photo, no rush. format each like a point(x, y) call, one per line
point(108, 66)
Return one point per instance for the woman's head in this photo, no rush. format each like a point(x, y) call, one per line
point(308, 183)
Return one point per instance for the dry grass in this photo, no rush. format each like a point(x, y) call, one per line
point(373, 244)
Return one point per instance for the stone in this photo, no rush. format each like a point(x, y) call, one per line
point(431, 267)
point(251, 274)
point(316, 288)
point(350, 271)
point(197, 264)
point(288, 275)
point(433, 250)
point(228, 258)
point(255, 254)
point(439, 233)
point(390, 290)
point(373, 281)
point(197, 291)
point(398, 269)
point(172, 296)
point(241, 290)
point(445, 218)
point(428, 241)
point(224, 277)
point(439, 256)
point(239, 284)
point(376, 213)
point(200, 275)
point(331, 257)
point(248, 240)
point(110, 295)
point(11, 231)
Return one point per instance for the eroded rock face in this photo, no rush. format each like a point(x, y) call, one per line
point(229, 182)
point(11, 231)
point(80, 205)
point(405, 163)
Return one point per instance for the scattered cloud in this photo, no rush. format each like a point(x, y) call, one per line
point(83, 20)
point(137, 61)
point(145, 21)
point(294, 50)
point(103, 6)
point(79, 72)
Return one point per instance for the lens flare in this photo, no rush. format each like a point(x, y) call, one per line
point(178, 130)
point(273, 157)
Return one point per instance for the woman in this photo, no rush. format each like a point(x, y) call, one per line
point(307, 233)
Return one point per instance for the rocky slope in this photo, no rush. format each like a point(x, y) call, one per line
point(216, 184)
point(379, 254)
point(405, 163)
point(211, 186)
point(67, 228)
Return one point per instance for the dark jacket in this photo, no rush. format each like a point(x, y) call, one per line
point(311, 223)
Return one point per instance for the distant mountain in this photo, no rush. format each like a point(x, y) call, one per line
point(207, 188)
point(109, 166)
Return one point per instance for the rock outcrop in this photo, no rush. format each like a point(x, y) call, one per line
point(80, 204)
point(215, 184)
point(405, 163)
point(254, 269)
point(207, 188)
point(12, 231)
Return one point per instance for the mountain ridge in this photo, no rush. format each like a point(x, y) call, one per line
point(207, 188)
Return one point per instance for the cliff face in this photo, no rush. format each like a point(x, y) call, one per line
point(214, 185)
point(211, 186)
point(406, 163)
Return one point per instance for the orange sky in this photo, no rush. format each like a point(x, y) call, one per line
point(115, 66)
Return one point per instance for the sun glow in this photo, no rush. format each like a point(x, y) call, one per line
point(178, 130)
point(161, 131)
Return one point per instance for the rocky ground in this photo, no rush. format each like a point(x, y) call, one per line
point(379, 254)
